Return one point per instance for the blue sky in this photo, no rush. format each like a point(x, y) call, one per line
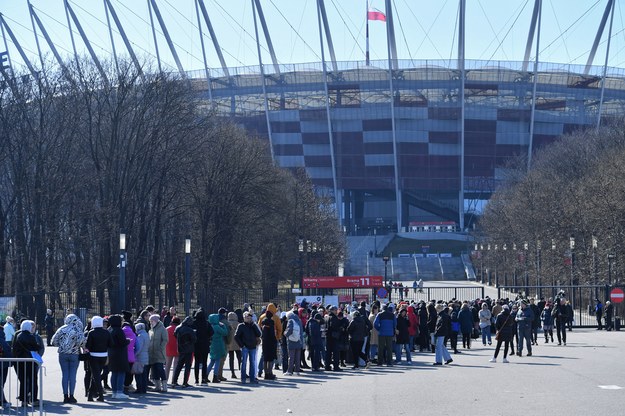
point(496, 29)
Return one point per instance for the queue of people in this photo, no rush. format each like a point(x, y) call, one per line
point(117, 350)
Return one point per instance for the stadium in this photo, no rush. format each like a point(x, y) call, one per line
point(400, 144)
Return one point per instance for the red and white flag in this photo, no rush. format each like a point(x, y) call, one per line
point(375, 14)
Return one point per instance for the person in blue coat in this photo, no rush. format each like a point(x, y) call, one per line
point(386, 324)
point(465, 317)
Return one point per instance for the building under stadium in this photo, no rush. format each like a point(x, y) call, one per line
point(404, 144)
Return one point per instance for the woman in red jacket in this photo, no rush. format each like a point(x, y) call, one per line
point(171, 350)
point(413, 328)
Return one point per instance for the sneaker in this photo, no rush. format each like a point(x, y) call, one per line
point(121, 396)
point(368, 365)
point(298, 373)
point(288, 374)
point(505, 361)
point(449, 361)
point(437, 363)
point(492, 360)
point(254, 381)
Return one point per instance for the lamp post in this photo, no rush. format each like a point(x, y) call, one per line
point(538, 260)
point(388, 285)
point(553, 250)
point(375, 241)
point(300, 250)
point(527, 278)
point(594, 263)
point(122, 271)
point(572, 248)
point(187, 275)
point(611, 257)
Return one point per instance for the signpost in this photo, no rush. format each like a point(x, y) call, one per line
point(342, 282)
point(617, 295)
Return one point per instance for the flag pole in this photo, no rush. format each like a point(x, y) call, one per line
point(367, 20)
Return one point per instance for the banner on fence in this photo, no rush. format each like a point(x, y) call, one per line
point(341, 282)
point(345, 299)
point(361, 297)
point(7, 306)
point(311, 300)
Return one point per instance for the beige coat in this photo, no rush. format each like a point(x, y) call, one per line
point(233, 321)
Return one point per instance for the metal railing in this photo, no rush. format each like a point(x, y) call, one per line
point(22, 382)
point(582, 298)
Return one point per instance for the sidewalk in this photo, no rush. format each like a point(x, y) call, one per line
point(585, 377)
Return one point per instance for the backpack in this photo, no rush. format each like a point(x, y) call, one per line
point(295, 335)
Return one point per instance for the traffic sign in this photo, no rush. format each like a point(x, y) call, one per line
point(382, 292)
point(617, 295)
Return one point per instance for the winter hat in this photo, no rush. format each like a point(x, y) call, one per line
point(97, 322)
point(127, 315)
point(26, 326)
point(140, 326)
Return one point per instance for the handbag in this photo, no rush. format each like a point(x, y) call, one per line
point(137, 368)
point(83, 356)
point(475, 333)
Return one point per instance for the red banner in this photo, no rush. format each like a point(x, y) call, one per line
point(345, 282)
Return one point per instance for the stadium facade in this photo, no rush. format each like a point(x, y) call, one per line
point(364, 142)
point(399, 142)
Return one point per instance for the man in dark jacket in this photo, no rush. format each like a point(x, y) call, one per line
point(186, 337)
point(49, 323)
point(442, 330)
point(203, 333)
point(358, 331)
point(247, 336)
point(313, 330)
point(599, 314)
point(333, 339)
point(386, 324)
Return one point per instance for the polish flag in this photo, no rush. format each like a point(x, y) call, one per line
point(375, 14)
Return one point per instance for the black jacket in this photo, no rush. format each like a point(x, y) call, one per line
point(443, 324)
point(505, 325)
point(357, 329)
point(203, 332)
point(246, 335)
point(186, 337)
point(118, 351)
point(99, 340)
point(403, 323)
point(432, 317)
point(23, 343)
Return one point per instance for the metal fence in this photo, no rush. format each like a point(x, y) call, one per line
point(582, 299)
point(34, 305)
point(21, 378)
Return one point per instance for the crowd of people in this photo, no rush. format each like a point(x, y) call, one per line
point(155, 349)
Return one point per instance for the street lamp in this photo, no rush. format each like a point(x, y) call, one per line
point(611, 257)
point(389, 287)
point(187, 275)
point(122, 271)
point(527, 278)
point(572, 248)
point(538, 260)
point(594, 263)
point(553, 250)
point(300, 250)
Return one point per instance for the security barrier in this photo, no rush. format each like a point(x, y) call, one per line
point(22, 386)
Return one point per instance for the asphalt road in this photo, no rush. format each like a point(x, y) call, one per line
point(585, 377)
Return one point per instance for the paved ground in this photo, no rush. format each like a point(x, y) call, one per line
point(585, 377)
